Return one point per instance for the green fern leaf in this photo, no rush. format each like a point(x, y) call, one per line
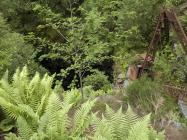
point(24, 130)
point(140, 130)
point(82, 118)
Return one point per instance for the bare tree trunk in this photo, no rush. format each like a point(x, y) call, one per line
point(81, 84)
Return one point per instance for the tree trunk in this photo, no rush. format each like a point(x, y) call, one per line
point(81, 85)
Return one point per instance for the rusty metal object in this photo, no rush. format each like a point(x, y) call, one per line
point(172, 17)
point(167, 19)
point(132, 72)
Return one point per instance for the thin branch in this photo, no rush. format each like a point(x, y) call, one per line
point(83, 72)
point(61, 34)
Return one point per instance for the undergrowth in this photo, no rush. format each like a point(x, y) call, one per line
point(147, 95)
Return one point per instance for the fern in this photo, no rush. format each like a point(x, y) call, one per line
point(24, 130)
point(82, 119)
point(42, 114)
point(140, 130)
point(10, 109)
point(119, 126)
point(72, 97)
point(55, 121)
point(24, 96)
point(55, 124)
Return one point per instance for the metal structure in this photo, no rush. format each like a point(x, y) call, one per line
point(167, 20)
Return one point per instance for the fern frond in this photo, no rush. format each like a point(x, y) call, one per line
point(63, 121)
point(72, 96)
point(5, 84)
point(103, 131)
point(6, 90)
point(11, 136)
point(140, 130)
point(131, 115)
point(33, 94)
point(109, 112)
point(10, 109)
point(42, 105)
point(19, 84)
point(128, 120)
point(116, 121)
point(54, 105)
point(10, 98)
point(82, 118)
point(42, 124)
point(28, 112)
point(15, 77)
point(24, 130)
point(46, 82)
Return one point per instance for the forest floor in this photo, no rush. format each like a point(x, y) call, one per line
point(173, 133)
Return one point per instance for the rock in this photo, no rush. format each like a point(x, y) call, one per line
point(183, 107)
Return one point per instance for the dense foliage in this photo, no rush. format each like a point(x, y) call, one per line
point(84, 46)
point(98, 81)
point(71, 37)
point(15, 52)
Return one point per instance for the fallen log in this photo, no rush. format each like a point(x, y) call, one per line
point(176, 92)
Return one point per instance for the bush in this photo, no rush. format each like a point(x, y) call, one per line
point(98, 81)
point(90, 93)
point(144, 92)
point(147, 95)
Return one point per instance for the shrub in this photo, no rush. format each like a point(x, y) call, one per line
point(98, 81)
point(144, 92)
point(147, 95)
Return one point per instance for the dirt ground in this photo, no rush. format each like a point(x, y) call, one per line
point(175, 134)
